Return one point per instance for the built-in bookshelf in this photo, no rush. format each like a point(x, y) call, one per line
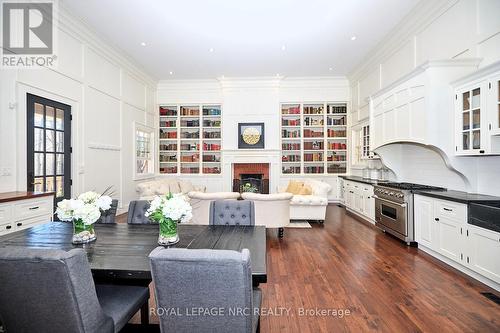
point(313, 138)
point(190, 139)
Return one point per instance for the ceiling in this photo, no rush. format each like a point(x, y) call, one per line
point(205, 39)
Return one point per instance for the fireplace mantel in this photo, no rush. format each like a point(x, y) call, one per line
point(271, 156)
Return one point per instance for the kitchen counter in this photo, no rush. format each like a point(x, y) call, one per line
point(364, 180)
point(459, 196)
point(22, 195)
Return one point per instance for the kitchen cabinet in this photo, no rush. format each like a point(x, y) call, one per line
point(441, 226)
point(359, 199)
point(477, 113)
point(17, 215)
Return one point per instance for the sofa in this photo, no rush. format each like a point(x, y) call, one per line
point(164, 185)
point(271, 210)
point(309, 200)
point(200, 201)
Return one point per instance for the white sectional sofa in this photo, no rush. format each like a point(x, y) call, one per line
point(309, 206)
point(164, 185)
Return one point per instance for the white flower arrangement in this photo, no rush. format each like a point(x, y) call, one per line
point(87, 207)
point(173, 206)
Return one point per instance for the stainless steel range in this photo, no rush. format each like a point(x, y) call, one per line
point(394, 208)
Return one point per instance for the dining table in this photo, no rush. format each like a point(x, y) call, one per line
point(120, 252)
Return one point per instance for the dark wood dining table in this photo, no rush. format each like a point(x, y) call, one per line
point(120, 253)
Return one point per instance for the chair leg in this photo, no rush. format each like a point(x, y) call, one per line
point(145, 313)
point(281, 232)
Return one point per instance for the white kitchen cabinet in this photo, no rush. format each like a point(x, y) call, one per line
point(359, 199)
point(441, 226)
point(483, 252)
point(477, 112)
point(424, 221)
point(21, 214)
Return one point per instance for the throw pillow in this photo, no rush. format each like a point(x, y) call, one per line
point(306, 190)
point(294, 187)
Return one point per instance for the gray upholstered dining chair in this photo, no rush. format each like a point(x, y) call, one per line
point(206, 279)
point(45, 290)
point(232, 212)
point(136, 211)
point(109, 216)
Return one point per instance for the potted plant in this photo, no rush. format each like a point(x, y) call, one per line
point(83, 212)
point(168, 211)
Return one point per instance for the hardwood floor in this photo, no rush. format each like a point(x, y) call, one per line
point(387, 286)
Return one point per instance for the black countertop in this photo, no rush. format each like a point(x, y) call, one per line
point(459, 196)
point(364, 180)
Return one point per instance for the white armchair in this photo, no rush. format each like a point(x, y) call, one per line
point(311, 206)
point(201, 204)
point(271, 210)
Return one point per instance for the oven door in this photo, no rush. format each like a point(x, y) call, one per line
point(391, 215)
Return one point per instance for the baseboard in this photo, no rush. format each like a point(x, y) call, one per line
point(360, 217)
point(470, 273)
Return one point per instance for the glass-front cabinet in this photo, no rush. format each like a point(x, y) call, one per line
point(477, 110)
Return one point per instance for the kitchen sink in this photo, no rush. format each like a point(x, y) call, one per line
point(485, 215)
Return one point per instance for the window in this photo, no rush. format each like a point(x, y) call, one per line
point(144, 151)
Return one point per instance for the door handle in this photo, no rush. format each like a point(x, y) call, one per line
point(448, 209)
point(34, 208)
point(436, 218)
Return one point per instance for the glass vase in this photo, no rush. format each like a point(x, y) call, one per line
point(83, 233)
point(168, 232)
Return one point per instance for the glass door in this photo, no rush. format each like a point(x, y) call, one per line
point(48, 147)
point(471, 120)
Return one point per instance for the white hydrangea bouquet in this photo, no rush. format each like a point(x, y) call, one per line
point(168, 211)
point(83, 212)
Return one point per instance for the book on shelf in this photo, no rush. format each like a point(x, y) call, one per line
point(290, 158)
point(290, 169)
point(313, 145)
point(168, 134)
point(336, 133)
point(313, 157)
point(209, 111)
point(336, 121)
point(168, 123)
point(211, 134)
point(190, 123)
point(190, 111)
point(168, 169)
point(337, 145)
point(190, 146)
point(314, 169)
point(211, 158)
point(335, 109)
point(309, 133)
point(211, 146)
point(290, 146)
point(168, 146)
point(290, 122)
point(313, 109)
point(190, 158)
point(313, 121)
point(211, 123)
point(190, 170)
point(290, 133)
point(293, 109)
point(166, 111)
point(190, 135)
point(211, 170)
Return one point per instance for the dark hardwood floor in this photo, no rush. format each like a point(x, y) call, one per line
point(387, 286)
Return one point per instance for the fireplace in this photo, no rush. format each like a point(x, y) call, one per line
point(251, 177)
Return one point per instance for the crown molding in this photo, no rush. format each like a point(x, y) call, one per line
point(82, 30)
point(419, 18)
point(480, 73)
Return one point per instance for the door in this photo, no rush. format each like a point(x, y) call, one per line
point(483, 252)
point(425, 230)
point(449, 238)
point(48, 147)
point(391, 215)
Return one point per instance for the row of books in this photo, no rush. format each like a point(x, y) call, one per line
point(314, 169)
point(313, 109)
point(290, 146)
point(190, 170)
point(211, 158)
point(336, 145)
point(211, 135)
point(168, 169)
point(211, 146)
point(211, 170)
point(190, 123)
point(167, 123)
point(336, 133)
point(312, 145)
point(168, 158)
point(190, 158)
point(190, 146)
point(336, 168)
point(309, 133)
point(211, 123)
point(168, 146)
point(335, 158)
point(335, 121)
point(290, 169)
point(290, 122)
point(290, 158)
point(291, 110)
point(211, 111)
point(290, 133)
point(185, 111)
point(167, 112)
point(313, 157)
point(168, 134)
point(332, 109)
point(190, 135)
point(311, 121)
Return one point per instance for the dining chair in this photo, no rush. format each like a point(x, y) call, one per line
point(46, 290)
point(232, 212)
point(205, 279)
point(109, 216)
point(136, 211)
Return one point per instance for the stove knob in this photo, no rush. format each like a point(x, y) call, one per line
point(391, 194)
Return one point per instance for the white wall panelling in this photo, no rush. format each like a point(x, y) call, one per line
point(432, 31)
point(252, 100)
point(106, 91)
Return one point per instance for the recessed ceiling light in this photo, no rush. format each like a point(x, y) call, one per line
point(330, 69)
point(283, 47)
point(211, 49)
point(171, 73)
point(353, 38)
point(278, 74)
point(143, 43)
